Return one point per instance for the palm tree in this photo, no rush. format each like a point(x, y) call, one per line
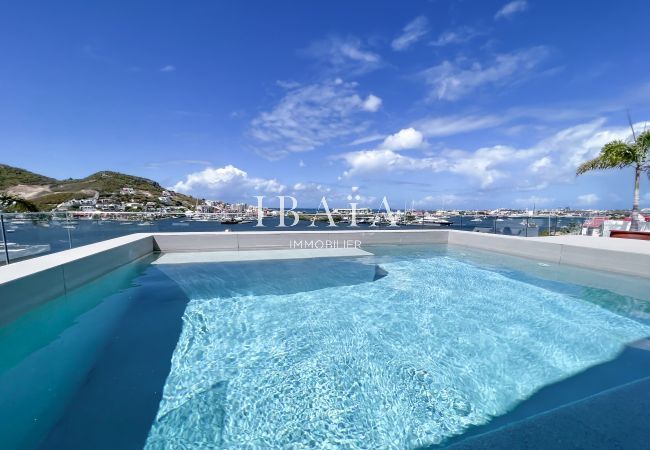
point(618, 154)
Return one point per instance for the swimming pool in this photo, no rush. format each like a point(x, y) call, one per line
point(411, 347)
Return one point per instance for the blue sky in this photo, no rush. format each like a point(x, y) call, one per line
point(455, 104)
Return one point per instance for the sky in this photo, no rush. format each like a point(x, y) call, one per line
point(435, 104)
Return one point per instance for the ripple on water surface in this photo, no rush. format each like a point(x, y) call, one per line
point(408, 360)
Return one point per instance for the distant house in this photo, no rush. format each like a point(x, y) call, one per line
point(238, 207)
point(111, 207)
point(86, 204)
point(127, 191)
point(132, 205)
point(165, 199)
point(206, 209)
point(359, 211)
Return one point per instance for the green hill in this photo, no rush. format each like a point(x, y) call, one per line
point(46, 193)
point(107, 182)
point(12, 176)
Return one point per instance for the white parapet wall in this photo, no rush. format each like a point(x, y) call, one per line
point(26, 284)
point(254, 240)
point(623, 256)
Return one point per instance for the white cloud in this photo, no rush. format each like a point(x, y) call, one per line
point(453, 80)
point(301, 163)
point(587, 199)
point(541, 164)
point(372, 103)
point(440, 200)
point(551, 160)
point(457, 36)
point(309, 193)
point(450, 125)
point(315, 187)
point(309, 116)
point(535, 201)
point(558, 156)
point(227, 180)
point(168, 68)
point(344, 54)
point(411, 33)
point(405, 139)
point(510, 9)
point(367, 139)
point(384, 160)
point(481, 165)
point(484, 164)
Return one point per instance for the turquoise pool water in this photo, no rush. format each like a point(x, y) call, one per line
point(411, 348)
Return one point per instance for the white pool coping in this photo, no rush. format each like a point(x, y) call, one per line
point(29, 283)
point(257, 255)
point(53, 260)
point(600, 243)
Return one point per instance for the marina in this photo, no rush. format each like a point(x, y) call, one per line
point(40, 233)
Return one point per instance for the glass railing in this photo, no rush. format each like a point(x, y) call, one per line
point(519, 226)
point(26, 235)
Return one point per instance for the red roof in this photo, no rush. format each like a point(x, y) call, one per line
point(594, 222)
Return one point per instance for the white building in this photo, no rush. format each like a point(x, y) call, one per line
point(165, 200)
point(348, 211)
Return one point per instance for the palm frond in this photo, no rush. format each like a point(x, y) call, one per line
point(614, 155)
point(643, 141)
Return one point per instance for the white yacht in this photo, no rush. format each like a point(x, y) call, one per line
point(19, 251)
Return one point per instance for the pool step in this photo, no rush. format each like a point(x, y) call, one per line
point(257, 255)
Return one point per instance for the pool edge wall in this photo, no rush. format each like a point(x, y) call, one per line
point(624, 257)
point(27, 284)
point(267, 240)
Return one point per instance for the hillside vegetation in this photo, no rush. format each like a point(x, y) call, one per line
point(12, 176)
point(46, 193)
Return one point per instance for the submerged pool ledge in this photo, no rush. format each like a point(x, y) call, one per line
point(27, 284)
point(257, 255)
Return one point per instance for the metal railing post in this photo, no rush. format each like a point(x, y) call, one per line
point(527, 226)
point(4, 238)
point(67, 217)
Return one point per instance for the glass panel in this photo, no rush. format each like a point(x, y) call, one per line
point(33, 234)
